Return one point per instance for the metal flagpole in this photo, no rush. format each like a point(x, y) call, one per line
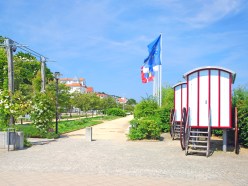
point(157, 84)
point(160, 73)
point(154, 84)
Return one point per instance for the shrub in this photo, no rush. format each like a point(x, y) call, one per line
point(217, 132)
point(116, 112)
point(42, 112)
point(145, 128)
point(26, 142)
point(147, 107)
point(164, 115)
point(240, 100)
point(243, 125)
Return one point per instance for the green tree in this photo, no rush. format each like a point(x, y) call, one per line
point(108, 102)
point(26, 68)
point(131, 102)
point(94, 102)
point(36, 82)
point(3, 70)
point(22, 104)
point(4, 95)
point(64, 96)
point(167, 97)
point(1, 39)
point(81, 101)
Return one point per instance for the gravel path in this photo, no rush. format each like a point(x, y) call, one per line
point(111, 157)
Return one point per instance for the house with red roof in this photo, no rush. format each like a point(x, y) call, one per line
point(122, 100)
point(102, 95)
point(75, 84)
point(89, 90)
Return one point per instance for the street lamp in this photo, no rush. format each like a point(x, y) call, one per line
point(56, 75)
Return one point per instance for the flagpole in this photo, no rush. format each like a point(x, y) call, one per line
point(156, 73)
point(160, 74)
point(154, 88)
point(158, 80)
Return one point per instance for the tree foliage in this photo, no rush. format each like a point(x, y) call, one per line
point(27, 83)
point(27, 70)
point(240, 100)
point(147, 123)
point(131, 101)
point(150, 120)
point(64, 96)
point(167, 97)
point(3, 70)
point(94, 102)
point(80, 101)
point(147, 107)
point(107, 103)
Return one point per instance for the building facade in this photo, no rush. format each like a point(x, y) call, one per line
point(75, 84)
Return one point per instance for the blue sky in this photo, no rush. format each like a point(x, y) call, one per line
point(105, 41)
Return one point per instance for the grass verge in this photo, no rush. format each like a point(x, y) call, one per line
point(30, 131)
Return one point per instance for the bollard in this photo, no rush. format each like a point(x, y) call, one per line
point(88, 134)
point(19, 140)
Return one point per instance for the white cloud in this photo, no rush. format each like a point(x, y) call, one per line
point(208, 12)
point(197, 13)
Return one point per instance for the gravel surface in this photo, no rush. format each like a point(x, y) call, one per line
point(112, 156)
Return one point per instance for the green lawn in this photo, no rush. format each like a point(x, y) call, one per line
point(31, 131)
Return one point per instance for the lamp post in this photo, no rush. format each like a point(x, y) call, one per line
point(56, 75)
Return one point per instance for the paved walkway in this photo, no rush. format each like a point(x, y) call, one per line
point(112, 160)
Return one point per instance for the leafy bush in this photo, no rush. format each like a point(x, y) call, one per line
point(42, 112)
point(217, 132)
point(145, 128)
point(164, 115)
point(149, 121)
point(26, 142)
point(240, 100)
point(147, 107)
point(243, 124)
point(116, 112)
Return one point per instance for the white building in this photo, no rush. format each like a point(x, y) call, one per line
point(75, 84)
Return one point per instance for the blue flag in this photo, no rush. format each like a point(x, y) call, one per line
point(153, 60)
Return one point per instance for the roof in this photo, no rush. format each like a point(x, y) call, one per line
point(70, 79)
point(65, 79)
point(89, 89)
point(211, 68)
point(74, 85)
point(122, 100)
point(102, 95)
point(180, 83)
